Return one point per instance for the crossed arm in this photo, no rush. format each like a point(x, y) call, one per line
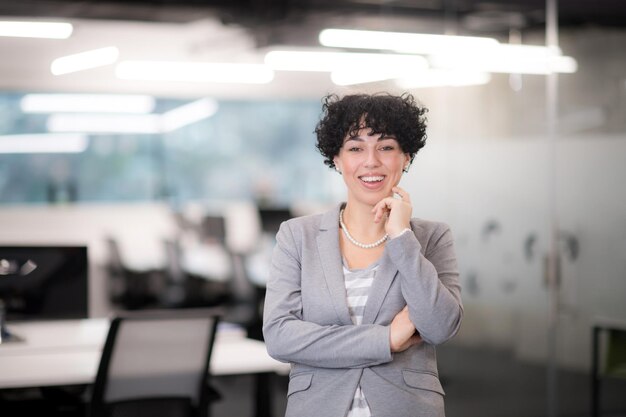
point(289, 338)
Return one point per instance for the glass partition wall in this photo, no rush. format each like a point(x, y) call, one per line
point(262, 145)
point(527, 171)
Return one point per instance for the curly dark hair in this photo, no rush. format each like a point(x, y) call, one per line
point(398, 116)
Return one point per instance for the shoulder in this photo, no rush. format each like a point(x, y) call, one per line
point(300, 228)
point(427, 227)
point(431, 234)
point(298, 233)
point(303, 225)
point(311, 221)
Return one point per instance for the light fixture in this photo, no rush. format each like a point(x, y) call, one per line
point(187, 114)
point(87, 103)
point(368, 75)
point(507, 58)
point(476, 54)
point(341, 61)
point(43, 143)
point(416, 43)
point(203, 72)
point(104, 123)
point(133, 123)
point(84, 60)
point(443, 78)
point(47, 30)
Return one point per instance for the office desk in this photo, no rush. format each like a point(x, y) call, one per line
point(68, 353)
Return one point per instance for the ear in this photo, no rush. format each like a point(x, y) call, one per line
point(337, 163)
point(407, 161)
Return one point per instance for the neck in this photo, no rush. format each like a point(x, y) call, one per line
point(360, 221)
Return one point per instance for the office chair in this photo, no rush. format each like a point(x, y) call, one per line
point(128, 288)
point(156, 364)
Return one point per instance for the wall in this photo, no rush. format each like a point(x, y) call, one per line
point(490, 171)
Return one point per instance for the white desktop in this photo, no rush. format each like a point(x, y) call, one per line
point(67, 352)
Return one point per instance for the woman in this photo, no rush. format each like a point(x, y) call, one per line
point(358, 297)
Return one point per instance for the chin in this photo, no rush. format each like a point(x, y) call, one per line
point(372, 199)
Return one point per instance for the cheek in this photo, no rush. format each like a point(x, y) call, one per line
point(397, 164)
point(346, 164)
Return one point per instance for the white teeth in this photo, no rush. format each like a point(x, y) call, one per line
point(372, 179)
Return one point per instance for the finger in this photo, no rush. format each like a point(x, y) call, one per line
point(402, 193)
point(377, 216)
point(380, 213)
point(379, 209)
point(376, 211)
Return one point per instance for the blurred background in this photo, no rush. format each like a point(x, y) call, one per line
point(173, 137)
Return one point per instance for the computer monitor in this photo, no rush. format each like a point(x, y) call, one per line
point(272, 217)
point(43, 283)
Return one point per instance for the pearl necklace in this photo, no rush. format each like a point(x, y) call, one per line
point(356, 242)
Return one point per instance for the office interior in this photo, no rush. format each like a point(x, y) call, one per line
point(176, 151)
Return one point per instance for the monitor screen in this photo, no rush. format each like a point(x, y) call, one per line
point(271, 218)
point(44, 282)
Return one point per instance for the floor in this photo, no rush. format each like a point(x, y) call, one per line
point(477, 384)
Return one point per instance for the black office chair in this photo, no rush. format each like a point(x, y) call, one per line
point(132, 289)
point(156, 364)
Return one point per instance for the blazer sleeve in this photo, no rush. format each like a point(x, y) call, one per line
point(289, 338)
point(430, 283)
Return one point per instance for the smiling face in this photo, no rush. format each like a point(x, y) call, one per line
point(371, 166)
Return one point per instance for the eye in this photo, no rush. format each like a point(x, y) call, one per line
point(354, 149)
point(388, 148)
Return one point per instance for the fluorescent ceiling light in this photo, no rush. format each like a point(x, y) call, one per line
point(104, 123)
point(443, 78)
point(84, 60)
point(43, 143)
point(337, 61)
point(203, 72)
point(475, 54)
point(402, 42)
point(86, 103)
point(414, 79)
point(368, 75)
point(133, 123)
point(48, 30)
point(344, 77)
point(505, 58)
point(187, 114)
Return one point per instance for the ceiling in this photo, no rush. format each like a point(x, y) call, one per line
point(493, 14)
point(241, 30)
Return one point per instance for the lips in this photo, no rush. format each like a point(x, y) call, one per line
point(372, 181)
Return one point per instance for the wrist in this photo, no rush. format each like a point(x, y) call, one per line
point(400, 232)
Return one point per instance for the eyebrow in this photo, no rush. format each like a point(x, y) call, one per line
point(381, 138)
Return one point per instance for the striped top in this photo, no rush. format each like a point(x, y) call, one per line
point(358, 283)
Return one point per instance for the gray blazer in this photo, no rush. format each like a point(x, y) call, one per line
point(307, 323)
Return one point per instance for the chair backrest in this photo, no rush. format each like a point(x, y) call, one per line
point(156, 364)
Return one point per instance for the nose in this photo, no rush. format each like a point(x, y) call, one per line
point(372, 159)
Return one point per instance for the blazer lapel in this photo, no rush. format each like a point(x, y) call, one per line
point(330, 257)
point(385, 274)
